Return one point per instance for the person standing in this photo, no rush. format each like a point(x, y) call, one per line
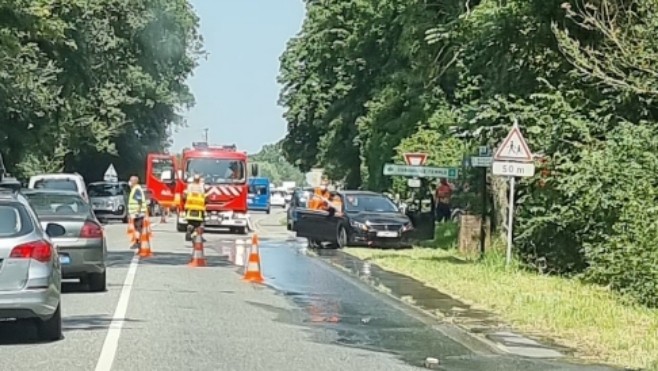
point(195, 206)
point(136, 210)
point(442, 196)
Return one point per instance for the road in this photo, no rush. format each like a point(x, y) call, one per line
point(159, 314)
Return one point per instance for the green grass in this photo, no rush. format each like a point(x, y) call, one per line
point(591, 319)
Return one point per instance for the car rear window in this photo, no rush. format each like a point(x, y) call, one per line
point(58, 204)
point(57, 184)
point(14, 220)
point(104, 190)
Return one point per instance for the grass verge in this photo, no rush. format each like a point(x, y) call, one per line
point(596, 322)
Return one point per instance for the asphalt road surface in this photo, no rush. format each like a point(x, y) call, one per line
point(159, 314)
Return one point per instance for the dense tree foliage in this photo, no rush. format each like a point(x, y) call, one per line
point(272, 164)
point(365, 80)
point(85, 83)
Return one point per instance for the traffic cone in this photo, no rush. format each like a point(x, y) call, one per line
point(253, 273)
point(145, 248)
point(198, 257)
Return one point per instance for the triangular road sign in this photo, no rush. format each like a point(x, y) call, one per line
point(415, 159)
point(111, 174)
point(514, 148)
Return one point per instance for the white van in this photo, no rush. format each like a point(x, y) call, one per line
point(60, 181)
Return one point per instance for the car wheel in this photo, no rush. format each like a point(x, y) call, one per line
point(341, 237)
point(268, 210)
point(125, 219)
point(51, 329)
point(181, 227)
point(97, 282)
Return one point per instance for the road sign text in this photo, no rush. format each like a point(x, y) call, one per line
point(513, 169)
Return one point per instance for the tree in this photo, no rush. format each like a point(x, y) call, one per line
point(93, 82)
point(365, 80)
point(273, 165)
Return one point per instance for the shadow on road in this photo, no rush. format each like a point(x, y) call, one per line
point(122, 259)
point(25, 331)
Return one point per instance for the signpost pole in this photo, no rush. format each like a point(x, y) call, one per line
point(510, 220)
point(483, 230)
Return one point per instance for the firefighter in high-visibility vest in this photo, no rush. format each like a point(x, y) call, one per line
point(195, 206)
point(136, 208)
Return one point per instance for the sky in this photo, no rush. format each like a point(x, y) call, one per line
point(235, 86)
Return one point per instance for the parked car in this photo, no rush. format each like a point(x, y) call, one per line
point(365, 219)
point(82, 249)
point(109, 200)
point(278, 199)
point(61, 181)
point(30, 273)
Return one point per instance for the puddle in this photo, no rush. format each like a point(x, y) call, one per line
point(416, 293)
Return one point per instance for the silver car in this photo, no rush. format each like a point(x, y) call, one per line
point(109, 200)
point(30, 275)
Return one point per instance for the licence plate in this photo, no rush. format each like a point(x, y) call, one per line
point(64, 259)
point(387, 234)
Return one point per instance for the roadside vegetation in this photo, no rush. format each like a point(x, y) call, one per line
point(365, 81)
point(273, 165)
point(86, 83)
point(594, 321)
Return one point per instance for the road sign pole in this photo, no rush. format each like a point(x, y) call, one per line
point(483, 229)
point(510, 220)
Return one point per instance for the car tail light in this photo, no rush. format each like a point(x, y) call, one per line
point(37, 250)
point(91, 230)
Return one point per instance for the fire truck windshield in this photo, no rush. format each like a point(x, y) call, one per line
point(216, 171)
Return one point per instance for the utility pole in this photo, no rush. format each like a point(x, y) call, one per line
point(206, 134)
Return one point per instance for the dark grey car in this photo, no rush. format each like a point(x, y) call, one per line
point(83, 249)
point(109, 200)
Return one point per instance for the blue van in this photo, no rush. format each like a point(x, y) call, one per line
point(259, 194)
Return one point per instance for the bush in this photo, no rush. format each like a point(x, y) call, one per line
point(598, 215)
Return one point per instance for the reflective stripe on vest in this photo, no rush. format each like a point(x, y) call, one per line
point(133, 205)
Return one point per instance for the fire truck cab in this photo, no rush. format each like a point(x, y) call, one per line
point(223, 170)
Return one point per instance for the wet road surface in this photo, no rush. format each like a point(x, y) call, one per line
point(159, 314)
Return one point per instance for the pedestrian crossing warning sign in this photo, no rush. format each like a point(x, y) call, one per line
point(514, 148)
point(111, 174)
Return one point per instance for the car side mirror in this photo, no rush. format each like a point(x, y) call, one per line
point(54, 230)
point(254, 170)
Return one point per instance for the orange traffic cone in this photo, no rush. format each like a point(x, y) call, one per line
point(198, 257)
point(253, 273)
point(145, 248)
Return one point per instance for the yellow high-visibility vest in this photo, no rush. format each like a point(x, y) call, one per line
point(133, 205)
point(195, 204)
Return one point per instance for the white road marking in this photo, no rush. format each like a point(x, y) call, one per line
point(109, 350)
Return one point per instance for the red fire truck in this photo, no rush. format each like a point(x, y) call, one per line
point(224, 173)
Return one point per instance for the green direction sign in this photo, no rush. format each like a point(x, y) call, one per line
point(421, 171)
